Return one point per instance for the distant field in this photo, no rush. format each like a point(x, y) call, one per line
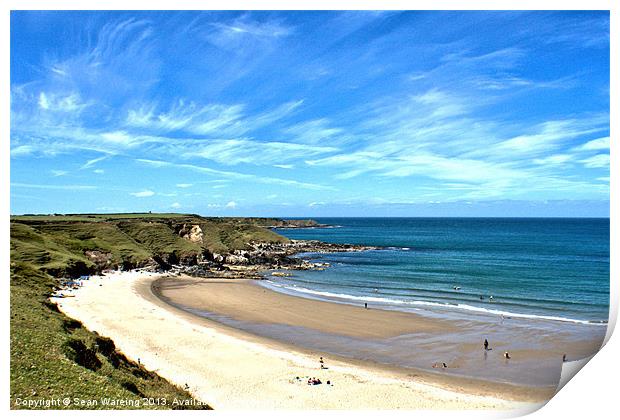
point(53, 356)
point(96, 217)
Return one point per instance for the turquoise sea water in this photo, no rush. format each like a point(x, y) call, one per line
point(547, 269)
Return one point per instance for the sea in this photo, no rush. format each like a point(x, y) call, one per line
point(554, 269)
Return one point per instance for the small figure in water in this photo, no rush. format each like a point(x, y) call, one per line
point(486, 344)
point(365, 305)
point(506, 355)
point(481, 297)
point(564, 358)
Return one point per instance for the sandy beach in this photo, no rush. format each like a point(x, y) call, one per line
point(233, 370)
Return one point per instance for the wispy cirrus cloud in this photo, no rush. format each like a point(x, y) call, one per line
point(596, 161)
point(316, 131)
point(233, 152)
point(53, 186)
point(235, 175)
point(229, 34)
point(596, 144)
point(211, 119)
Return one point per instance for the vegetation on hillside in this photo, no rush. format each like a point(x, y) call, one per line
point(53, 356)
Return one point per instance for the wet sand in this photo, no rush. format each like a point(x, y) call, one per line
point(245, 301)
point(231, 369)
point(390, 339)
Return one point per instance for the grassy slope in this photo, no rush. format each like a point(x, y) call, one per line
point(42, 364)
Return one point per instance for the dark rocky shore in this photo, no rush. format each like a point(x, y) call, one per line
point(260, 257)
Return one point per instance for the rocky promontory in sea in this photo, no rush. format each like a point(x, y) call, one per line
point(296, 224)
point(262, 256)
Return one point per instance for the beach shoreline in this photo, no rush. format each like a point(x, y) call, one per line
point(228, 368)
point(401, 342)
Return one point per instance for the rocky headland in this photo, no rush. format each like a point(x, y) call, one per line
point(260, 257)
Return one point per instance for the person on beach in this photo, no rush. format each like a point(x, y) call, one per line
point(486, 345)
point(564, 358)
point(365, 305)
point(506, 355)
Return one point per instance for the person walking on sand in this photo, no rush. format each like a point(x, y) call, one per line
point(365, 305)
point(486, 345)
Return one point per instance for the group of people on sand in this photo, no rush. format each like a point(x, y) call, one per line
point(316, 381)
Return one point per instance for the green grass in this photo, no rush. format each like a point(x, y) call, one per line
point(44, 361)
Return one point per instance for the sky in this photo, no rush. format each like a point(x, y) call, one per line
point(317, 114)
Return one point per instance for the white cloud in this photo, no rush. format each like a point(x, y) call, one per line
point(53, 187)
point(597, 161)
point(550, 135)
point(145, 193)
point(314, 131)
point(99, 171)
point(91, 162)
point(61, 103)
point(553, 159)
point(184, 185)
point(596, 144)
point(233, 152)
point(43, 104)
point(231, 205)
point(22, 150)
point(212, 119)
point(243, 31)
point(235, 175)
point(175, 205)
point(58, 172)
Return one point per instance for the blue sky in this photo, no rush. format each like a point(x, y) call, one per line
point(311, 113)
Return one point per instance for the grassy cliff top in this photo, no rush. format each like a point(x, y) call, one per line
point(68, 244)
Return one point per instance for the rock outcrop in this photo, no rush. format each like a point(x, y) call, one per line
point(193, 234)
